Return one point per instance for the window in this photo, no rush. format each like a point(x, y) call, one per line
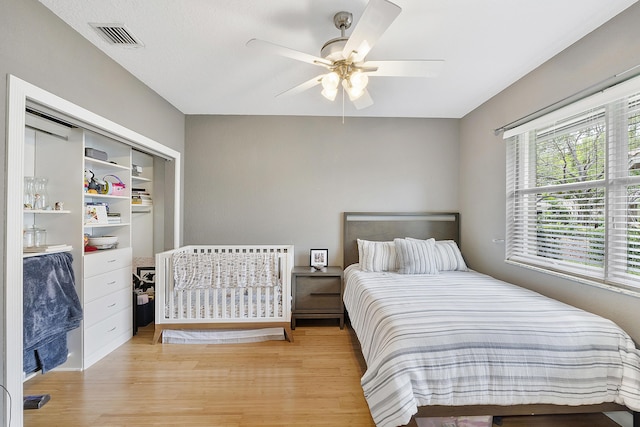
point(573, 189)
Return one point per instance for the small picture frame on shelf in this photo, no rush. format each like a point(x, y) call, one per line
point(95, 214)
point(318, 258)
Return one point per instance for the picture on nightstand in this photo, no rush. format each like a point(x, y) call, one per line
point(319, 258)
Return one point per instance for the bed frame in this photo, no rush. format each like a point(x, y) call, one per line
point(169, 302)
point(385, 226)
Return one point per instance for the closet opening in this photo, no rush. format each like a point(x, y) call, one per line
point(46, 137)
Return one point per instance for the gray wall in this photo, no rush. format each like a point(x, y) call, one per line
point(272, 180)
point(609, 50)
point(40, 49)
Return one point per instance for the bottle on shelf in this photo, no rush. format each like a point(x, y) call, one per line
point(40, 237)
point(28, 237)
point(29, 192)
point(41, 196)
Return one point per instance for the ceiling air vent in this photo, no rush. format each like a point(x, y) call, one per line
point(117, 34)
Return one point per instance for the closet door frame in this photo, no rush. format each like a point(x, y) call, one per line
point(20, 93)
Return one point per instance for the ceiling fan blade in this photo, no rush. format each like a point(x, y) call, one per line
point(414, 68)
point(363, 101)
point(303, 86)
point(289, 53)
point(376, 18)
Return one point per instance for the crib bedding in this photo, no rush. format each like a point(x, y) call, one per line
point(201, 270)
point(464, 338)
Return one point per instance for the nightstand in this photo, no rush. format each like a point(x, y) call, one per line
point(317, 294)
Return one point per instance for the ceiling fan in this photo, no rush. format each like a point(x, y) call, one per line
point(344, 57)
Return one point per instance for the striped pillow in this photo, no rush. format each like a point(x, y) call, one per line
point(377, 256)
point(416, 256)
point(448, 256)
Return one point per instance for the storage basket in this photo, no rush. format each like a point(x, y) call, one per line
point(116, 186)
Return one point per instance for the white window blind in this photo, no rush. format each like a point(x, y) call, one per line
point(573, 189)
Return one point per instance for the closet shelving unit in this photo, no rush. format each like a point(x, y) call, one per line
point(106, 273)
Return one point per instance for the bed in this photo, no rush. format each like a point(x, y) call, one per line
point(202, 287)
point(458, 342)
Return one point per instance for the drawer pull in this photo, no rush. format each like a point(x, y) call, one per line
point(112, 260)
point(112, 305)
point(112, 329)
point(330, 294)
point(112, 282)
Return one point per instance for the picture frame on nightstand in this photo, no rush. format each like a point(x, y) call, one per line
point(319, 258)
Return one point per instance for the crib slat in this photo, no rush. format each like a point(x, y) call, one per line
point(234, 300)
point(172, 304)
point(189, 300)
point(207, 304)
point(216, 303)
point(242, 301)
point(224, 307)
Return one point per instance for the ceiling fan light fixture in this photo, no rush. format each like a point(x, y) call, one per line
point(330, 81)
point(358, 80)
point(330, 94)
point(355, 84)
point(354, 93)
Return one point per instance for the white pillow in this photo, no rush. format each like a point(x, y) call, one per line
point(416, 256)
point(448, 256)
point(377, 256)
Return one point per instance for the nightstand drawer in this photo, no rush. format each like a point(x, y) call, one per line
point(318, 293)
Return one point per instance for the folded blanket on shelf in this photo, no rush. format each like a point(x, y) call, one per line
point(51, 308)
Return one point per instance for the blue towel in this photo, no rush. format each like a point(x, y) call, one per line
point(51, 309)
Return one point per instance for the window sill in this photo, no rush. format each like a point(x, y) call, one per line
point(618, 289)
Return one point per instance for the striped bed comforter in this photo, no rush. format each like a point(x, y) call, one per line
point(464, 338)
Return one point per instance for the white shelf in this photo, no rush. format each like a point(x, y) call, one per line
point(32, 254)
point(104, 196)
point(122, 224)
point(140, 179)
point(99, 251)
point(92, 161)
point(141, 208)
point(45, 211)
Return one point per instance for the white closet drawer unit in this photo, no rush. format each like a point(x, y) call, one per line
point(107, 295)
point(106, 306)
point(103, 336)
point(106, 283)
point(108, 260)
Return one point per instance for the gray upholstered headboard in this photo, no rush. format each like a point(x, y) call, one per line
point(385, 226)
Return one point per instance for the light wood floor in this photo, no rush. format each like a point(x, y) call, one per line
point(314, 381)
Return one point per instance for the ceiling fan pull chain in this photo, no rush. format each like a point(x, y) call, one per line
point(342, 105)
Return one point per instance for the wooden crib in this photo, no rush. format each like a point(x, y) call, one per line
point(232, 307)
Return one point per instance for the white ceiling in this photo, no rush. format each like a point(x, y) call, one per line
point(195, 55)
